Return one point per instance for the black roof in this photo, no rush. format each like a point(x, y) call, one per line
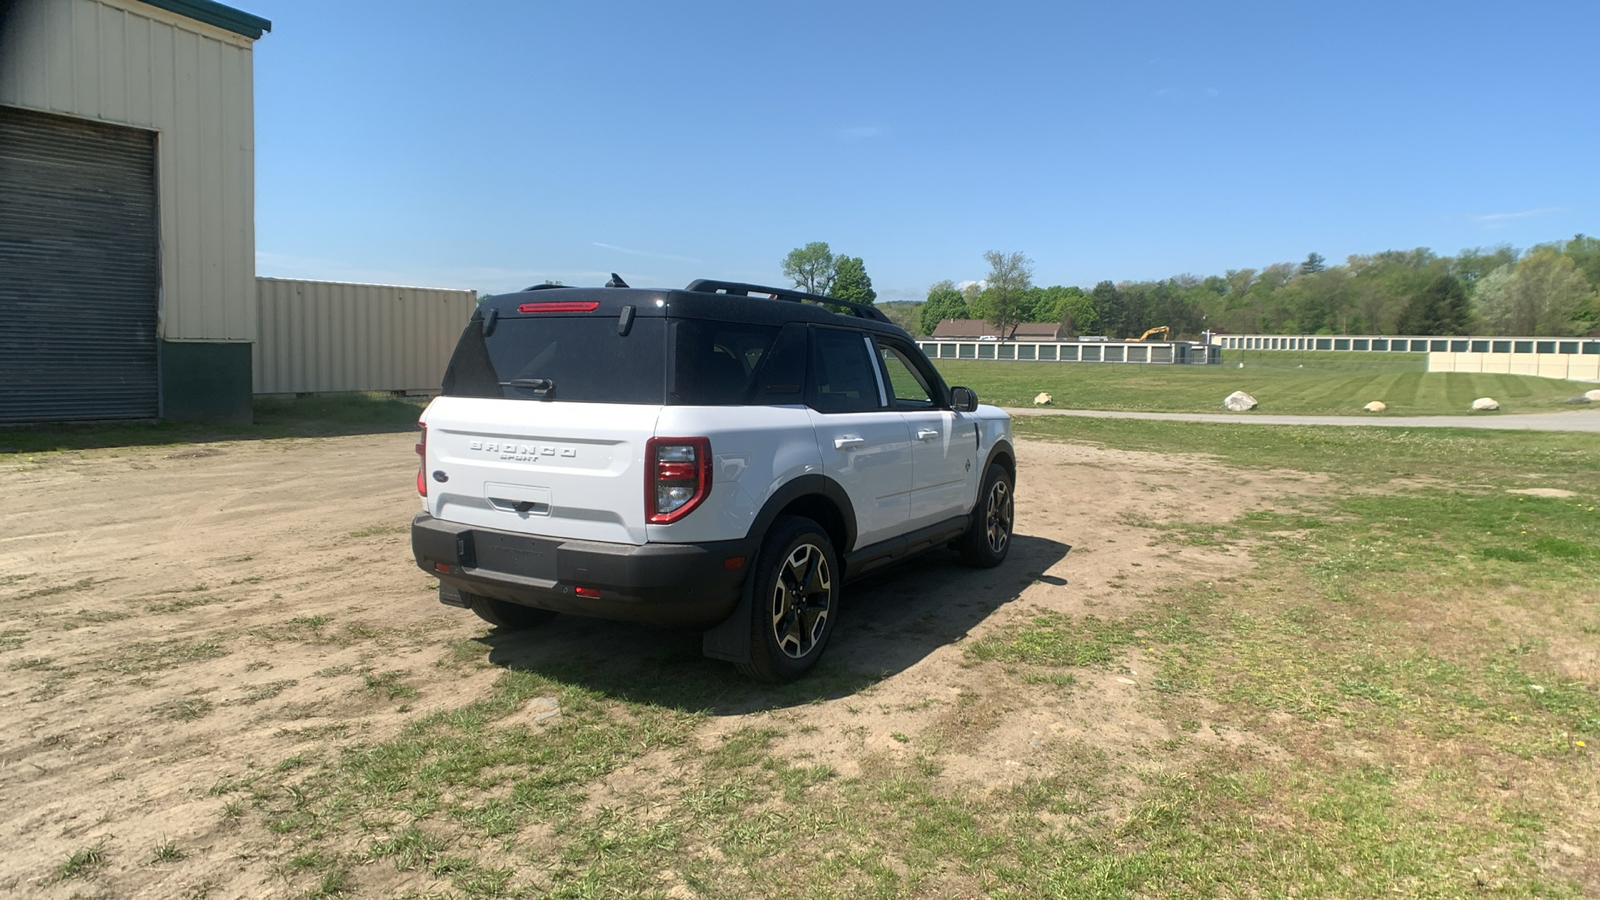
point(702, 299)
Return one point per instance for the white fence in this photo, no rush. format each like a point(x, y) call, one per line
point(324, 336)
point(1571, 346)
point(1149, 353)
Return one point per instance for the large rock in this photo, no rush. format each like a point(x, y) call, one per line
point(1594, 396)
point(1239, 401)
point(1580, 400)
point(1485, 403)
point(1376, 406)
point(1043, 399)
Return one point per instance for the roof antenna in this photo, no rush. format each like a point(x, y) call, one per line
point(616, 281)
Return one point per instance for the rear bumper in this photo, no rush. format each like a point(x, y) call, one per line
point(666, 584)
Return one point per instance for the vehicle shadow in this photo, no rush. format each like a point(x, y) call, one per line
point(889, 621)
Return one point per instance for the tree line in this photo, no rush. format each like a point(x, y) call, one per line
point(1549, 289)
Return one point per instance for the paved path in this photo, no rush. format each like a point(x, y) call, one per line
point(1576, 420)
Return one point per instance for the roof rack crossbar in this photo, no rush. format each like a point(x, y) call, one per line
point(739, 289)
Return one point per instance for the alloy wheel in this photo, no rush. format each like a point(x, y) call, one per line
point(802, 595)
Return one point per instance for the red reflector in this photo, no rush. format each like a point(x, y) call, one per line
point(733, 562)
point(422, 460)
point(553, 306)
point(586, 591)
point(441, 567)
point(674, 471)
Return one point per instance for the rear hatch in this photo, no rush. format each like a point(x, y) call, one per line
point(544, 418)
point(563, 470)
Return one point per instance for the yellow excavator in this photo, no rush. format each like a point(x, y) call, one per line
point(1163, 330)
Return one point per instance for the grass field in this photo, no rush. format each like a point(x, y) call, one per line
point(1282, 382)
point(1403, 698)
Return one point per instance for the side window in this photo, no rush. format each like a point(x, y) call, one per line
point(714, 361)
point(908, 388)
point(843, 377)
point(781, 378)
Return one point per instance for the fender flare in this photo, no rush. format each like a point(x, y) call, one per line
point(1001, 448)
point(805, 486)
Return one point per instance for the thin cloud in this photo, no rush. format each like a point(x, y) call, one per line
point(861, 132)
point(1495, 220)
point(645, 253)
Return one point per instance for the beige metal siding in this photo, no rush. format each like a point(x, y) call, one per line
point(318, 336)
point(1567, 366)
point(130, 64)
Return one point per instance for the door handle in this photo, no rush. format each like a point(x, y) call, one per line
point(848, 442)
point(927, 434)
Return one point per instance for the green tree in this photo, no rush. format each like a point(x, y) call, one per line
point(1077, 313)
point(810, 268)
point(1542, 295)
point(944, 302)
point(1110, 313)
point(1439, 308)
point(1585, 253)
point(1010, 276)
point(851, 282)
point(1473, 263)
point(1314, 263)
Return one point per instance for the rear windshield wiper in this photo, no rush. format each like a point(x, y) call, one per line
point(543, 388)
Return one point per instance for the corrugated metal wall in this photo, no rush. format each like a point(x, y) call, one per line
point(320, 336)
point(130, 64)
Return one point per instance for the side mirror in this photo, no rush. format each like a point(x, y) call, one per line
point(963, 399)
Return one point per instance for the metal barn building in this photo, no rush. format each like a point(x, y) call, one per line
point(127, 210)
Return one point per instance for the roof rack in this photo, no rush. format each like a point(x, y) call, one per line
point(737, 289)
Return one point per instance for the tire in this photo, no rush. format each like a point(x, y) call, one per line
point(795, 600)
point(988, 538)
point(509, 616)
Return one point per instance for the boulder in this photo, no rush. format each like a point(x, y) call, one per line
point(1485, 403)
point(1043, 399)
point(1376, 406)
point(1594, 396)
point(1239, 401)
point(1580, 400)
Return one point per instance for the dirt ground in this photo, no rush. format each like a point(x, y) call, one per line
point(174, 616)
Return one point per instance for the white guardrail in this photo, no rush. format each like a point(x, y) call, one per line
point(1149, 353)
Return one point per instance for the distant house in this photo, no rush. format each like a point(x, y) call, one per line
point(979, 330)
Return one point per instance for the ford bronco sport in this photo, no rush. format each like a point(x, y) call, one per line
point(721, 457)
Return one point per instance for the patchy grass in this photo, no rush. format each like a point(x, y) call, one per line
point(318, 415)
point(154, 656)
point(1283, 383)
point(83, 863)
point(1395, 701)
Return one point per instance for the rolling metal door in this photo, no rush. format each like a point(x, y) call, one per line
point(79, 274)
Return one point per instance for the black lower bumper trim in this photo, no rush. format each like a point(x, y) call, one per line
point(667, 584)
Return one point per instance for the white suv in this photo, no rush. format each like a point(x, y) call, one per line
point(706, 457)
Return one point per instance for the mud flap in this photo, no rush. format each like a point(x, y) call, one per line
point(449, 596)
point(731, 640)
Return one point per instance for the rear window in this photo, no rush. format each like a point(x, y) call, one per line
point(574, 359)
point(583, 360)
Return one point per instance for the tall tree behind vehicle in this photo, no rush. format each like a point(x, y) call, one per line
point(1010, 276)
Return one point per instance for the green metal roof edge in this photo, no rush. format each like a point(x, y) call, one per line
point(212, 13)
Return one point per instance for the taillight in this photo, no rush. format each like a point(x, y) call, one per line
point(422, 461)
point(677, 477)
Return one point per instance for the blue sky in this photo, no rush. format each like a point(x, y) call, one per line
point(495, 145)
